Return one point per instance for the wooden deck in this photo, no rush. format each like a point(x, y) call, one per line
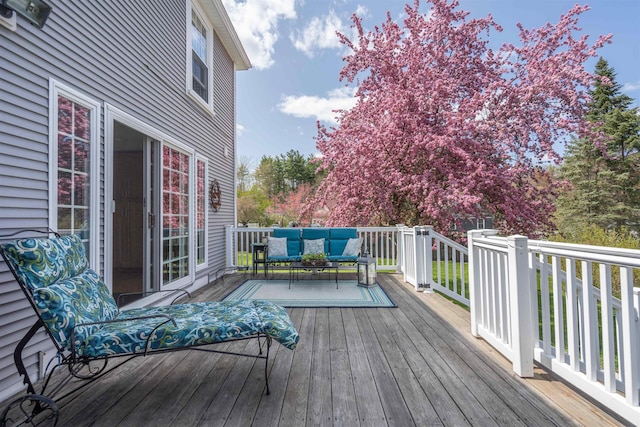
point(412, 365)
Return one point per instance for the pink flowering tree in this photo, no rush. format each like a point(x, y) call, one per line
point(445, 128)
point(295, 205)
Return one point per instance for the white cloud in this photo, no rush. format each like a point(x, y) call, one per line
point(320, 33)
point(256, 22)
point(321, 108)
point(362, 11)
point(630, 87)
point(240, 129)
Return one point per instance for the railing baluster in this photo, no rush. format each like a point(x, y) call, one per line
point(546, 311)
point(558, 308)
point(533, 290)
point(591, 331)
point(630, 333)
point(505, 320)
point(572, 316)
point(607, 328)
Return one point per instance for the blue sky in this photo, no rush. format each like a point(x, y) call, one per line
point(296, 58)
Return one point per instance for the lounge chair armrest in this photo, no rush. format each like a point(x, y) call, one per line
point(181, 292)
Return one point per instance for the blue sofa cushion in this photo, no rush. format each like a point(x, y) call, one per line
point(338, 240)
point(342, 258)
point(284, 258)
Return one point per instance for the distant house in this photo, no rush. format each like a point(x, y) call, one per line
point(115, 120)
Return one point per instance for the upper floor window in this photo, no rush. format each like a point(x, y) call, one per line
point(199, 57)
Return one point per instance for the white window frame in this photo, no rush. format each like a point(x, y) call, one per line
point(57, 89)
point(201, 158)
point(206, 105)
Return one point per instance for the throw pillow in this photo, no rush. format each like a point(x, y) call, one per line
point(277, 246)
point(315, 246)
point(352, 248)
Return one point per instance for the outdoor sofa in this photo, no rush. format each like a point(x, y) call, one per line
point(289, 244)
point(87, 328)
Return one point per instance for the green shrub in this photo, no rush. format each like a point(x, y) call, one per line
point(597, 236)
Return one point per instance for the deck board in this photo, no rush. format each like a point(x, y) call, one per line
point(345, 411)
point(370, 411)
point(388, 391)
point(319, 408)
point(416, 364)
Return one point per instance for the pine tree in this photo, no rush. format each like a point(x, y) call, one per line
point(604, 187)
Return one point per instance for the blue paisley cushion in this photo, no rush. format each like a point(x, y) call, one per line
point(81, 299)
point(41, 262)
point(197, 324)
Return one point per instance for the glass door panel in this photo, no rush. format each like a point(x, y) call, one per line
point(175, 214)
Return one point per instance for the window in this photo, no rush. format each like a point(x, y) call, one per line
point(73, 182)
point(201, 212)
point(199, 57)
point(175, 214)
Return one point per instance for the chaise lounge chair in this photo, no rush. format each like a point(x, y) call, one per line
point(87, 328)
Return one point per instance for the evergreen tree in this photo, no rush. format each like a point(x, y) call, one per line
point(604, 187)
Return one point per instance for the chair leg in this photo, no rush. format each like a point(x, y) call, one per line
point(266, 365)
point(17, 355)
point(32, 409)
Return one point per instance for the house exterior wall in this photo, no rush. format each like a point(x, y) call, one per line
point(128, 54)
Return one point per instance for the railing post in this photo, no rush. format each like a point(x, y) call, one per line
point(229, 245)
point(520, 305)
point(401, 251)
point(401, 254)
point(418, 257)
point(474, 280)
point(422, 236)
point(428, 257)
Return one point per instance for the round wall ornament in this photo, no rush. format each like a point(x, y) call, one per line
point(214, 195)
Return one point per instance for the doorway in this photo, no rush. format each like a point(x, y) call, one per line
point(134, 211)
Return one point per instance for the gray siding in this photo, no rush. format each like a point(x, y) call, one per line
point(130, 54)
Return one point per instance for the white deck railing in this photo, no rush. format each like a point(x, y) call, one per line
point(380, 242)
point(571, 308)
point(431, 261)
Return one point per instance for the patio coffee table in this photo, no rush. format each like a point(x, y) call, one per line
point(297, 266)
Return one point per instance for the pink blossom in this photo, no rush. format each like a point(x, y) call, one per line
point(446, 128)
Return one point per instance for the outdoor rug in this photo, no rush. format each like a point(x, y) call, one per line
point(312, 293)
